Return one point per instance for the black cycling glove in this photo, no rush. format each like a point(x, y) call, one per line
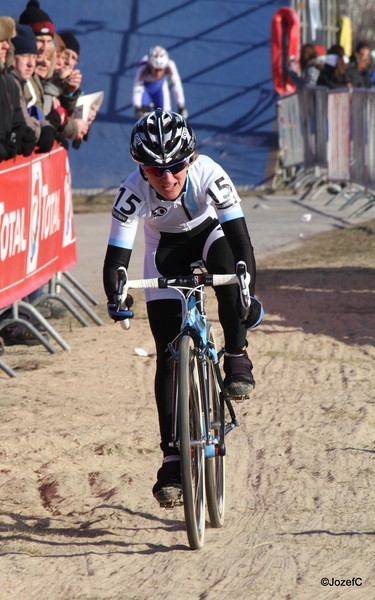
point(25, 140)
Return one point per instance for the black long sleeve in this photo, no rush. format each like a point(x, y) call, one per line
point(239, 240)
point(115, 257)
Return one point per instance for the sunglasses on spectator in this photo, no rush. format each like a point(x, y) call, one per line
point(159, 171)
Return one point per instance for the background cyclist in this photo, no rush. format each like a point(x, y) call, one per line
point(191, 211)
point(155, 78)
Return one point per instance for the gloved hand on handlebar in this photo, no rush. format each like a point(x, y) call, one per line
point(124, 312)
point(251, 318)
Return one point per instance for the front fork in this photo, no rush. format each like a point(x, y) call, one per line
point(212, 446)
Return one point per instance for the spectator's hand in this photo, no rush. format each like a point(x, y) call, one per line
point(55, 102)
point(141, 111)
point(60, 139)
point(83, 127)
point(183, 112)
point(25, 140)
point(92, 115)
point(57, 117)
point(8, 149)
point(74, 82)
point(46, 139)
point(54, 118)
point(253, 317)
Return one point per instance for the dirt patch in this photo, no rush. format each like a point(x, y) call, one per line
point(79, 451)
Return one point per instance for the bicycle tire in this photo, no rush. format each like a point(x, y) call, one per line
point(189, 408)
point(214, 466)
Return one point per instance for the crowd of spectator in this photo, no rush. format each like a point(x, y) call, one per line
point(334, 69)
point(39, 88)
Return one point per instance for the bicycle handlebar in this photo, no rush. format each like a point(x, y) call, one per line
point(241, 277)
point(181, 281)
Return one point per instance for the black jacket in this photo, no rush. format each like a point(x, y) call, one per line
point(11, 116)
point(327, 78)
point(359, 77)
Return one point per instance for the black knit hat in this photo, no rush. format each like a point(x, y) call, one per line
point(70, 41)
point(38, 20)
point(24, 42)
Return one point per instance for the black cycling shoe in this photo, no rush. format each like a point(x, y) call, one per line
point(168, 489)
point(239, 381)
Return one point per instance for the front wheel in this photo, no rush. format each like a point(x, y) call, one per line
point(191, 442)
point(215, 466)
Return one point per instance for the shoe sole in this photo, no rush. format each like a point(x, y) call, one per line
point(239, 391)
point(169, 497)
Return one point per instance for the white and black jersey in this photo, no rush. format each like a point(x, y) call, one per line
point(209, 202)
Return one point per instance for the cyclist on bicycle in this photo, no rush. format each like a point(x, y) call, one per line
point(191, 211)
point(156, 76)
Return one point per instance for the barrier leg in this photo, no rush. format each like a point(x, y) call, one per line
point(365, 207)
point(360, 194)
point(53, 295)
point(81, 288)
point(15, 319)
point(7, 369)
point(343, 192)
point(80, 303)
point(44, 322)
point(319, 191)
point(318, 183)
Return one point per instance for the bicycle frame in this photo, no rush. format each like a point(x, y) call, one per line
point(194, 323)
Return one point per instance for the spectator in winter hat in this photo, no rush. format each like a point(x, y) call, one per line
point(25, 53)
point(68, 80)
point(15, 136)
point(70, 77)
point(41, 24)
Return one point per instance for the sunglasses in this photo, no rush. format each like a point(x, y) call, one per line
point(159, 171)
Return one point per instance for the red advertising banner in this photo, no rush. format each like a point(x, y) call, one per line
point(37, 237)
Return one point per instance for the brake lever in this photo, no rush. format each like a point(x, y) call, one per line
point(121, 279)
point(121, 293)
point(244, 283)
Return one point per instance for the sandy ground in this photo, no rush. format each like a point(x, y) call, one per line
point(79, 453)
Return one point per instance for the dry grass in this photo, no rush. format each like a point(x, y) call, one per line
point(351, 247)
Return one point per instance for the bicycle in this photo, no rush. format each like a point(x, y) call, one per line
point(200, 405)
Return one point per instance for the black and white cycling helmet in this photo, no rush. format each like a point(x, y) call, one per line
point(158, 57)
point(162, 138)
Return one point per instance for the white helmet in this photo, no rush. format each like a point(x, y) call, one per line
point(158, 58)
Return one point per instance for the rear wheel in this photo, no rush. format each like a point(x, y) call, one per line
point(215, 466)
point(191, 442)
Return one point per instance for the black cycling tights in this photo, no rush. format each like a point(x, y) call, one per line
point(165, 320)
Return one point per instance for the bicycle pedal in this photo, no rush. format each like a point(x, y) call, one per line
point(171, 505)
point(240, 399)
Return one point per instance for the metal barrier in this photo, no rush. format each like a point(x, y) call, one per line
point(290, 131)
point(330, 138)
point(338, 130)
point(313, 103)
